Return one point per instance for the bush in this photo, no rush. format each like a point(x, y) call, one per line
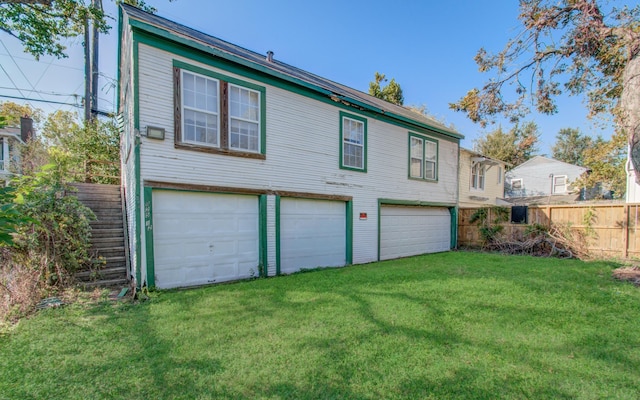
point(50, 241)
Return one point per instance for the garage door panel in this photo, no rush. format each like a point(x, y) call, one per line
point(408, 231)
point(202, 238)
point(312, 234)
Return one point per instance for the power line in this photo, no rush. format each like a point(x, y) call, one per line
point(41, 101)
point(43, 92)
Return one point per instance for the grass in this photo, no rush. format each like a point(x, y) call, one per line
point(451, 325)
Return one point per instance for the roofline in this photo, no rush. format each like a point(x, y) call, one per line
point(482, 155)
point(550, 159)
point(170, 34)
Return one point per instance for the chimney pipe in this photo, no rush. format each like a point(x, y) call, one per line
point(270, 56)
point(26, 128)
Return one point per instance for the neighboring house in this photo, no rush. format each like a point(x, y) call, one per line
point(237, 165)
point(481, 180)
point(633, 189)
point(542, 176)
point(10, 140)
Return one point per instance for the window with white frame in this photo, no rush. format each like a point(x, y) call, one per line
point(423, 157)
point(477, 176)
point(560, 184)
point(353, 142)
point(516, 184)
point(244, 118)
point(200, 106)
point(218, 114)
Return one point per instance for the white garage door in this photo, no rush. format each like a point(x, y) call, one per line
point(312, 234)
point(408, 231)
point(202, 238)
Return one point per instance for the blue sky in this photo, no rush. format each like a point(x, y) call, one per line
point(427, 46)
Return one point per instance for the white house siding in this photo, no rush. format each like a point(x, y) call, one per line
point(493, 188)
point(302, 153)
point(127, 141)
point(537, 176)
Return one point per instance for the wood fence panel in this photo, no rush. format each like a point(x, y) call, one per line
point(611, 230)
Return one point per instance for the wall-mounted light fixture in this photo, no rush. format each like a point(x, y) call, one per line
point(153, 132)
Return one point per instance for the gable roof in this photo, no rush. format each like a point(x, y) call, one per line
point(536, 160)
point(335, 91)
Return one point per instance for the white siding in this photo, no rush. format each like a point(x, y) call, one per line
point(271, 235)
point(493, 187)
point(302, 154)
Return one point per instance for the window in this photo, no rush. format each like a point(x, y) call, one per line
point(218, 114)
point(477, 176)
point(560, 184)
point(423, 158)
point(2, 154)
point(516, 184)
point(353, 142)
point(499, 175)
point(200, 114)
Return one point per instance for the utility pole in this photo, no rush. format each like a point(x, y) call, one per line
point(91, 65)
point(95, 65)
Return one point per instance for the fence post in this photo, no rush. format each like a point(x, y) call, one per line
point(625, 233)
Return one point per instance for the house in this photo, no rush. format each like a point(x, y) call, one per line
point(481, 180)
point(10, 140)
point(236, 164)
point(632, 194)
point(544, 177)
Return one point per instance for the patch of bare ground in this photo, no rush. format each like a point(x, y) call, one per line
point(630, 274)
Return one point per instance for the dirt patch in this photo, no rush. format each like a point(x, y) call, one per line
point(631, 274)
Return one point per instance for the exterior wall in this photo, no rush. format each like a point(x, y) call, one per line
point(128, 153)
point(536, 175)
point(302, 153)
point(493, 187)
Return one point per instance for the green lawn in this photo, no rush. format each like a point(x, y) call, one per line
point(451, 325)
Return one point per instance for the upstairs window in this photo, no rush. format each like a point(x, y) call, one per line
point(353, 142)
point(423, 157)
point(477, 176)
point(217, 113)
point(560, 184)
point(516, 184)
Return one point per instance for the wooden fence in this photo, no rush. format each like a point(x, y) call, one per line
point(613, 229)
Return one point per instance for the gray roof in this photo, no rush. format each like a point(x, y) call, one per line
point(336, 91)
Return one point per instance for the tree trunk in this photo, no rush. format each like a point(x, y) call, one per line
point(630, 110)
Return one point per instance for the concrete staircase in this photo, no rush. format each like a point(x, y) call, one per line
point(107, 236)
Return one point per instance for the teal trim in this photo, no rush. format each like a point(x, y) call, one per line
point(148, 237)
point(344, 115)
point(264, 270)
point(238, 82)
point(203, 54)
point(454, 226)
point(379, 227)
point(277, 235)
point(349, 232)
point(424, 139)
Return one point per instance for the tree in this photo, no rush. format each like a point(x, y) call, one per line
point(605, 160)
point(13, 111)
point(568, 46)
point(570, 146)
point(391, 93)
point(513, 147)
point(41, 25)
